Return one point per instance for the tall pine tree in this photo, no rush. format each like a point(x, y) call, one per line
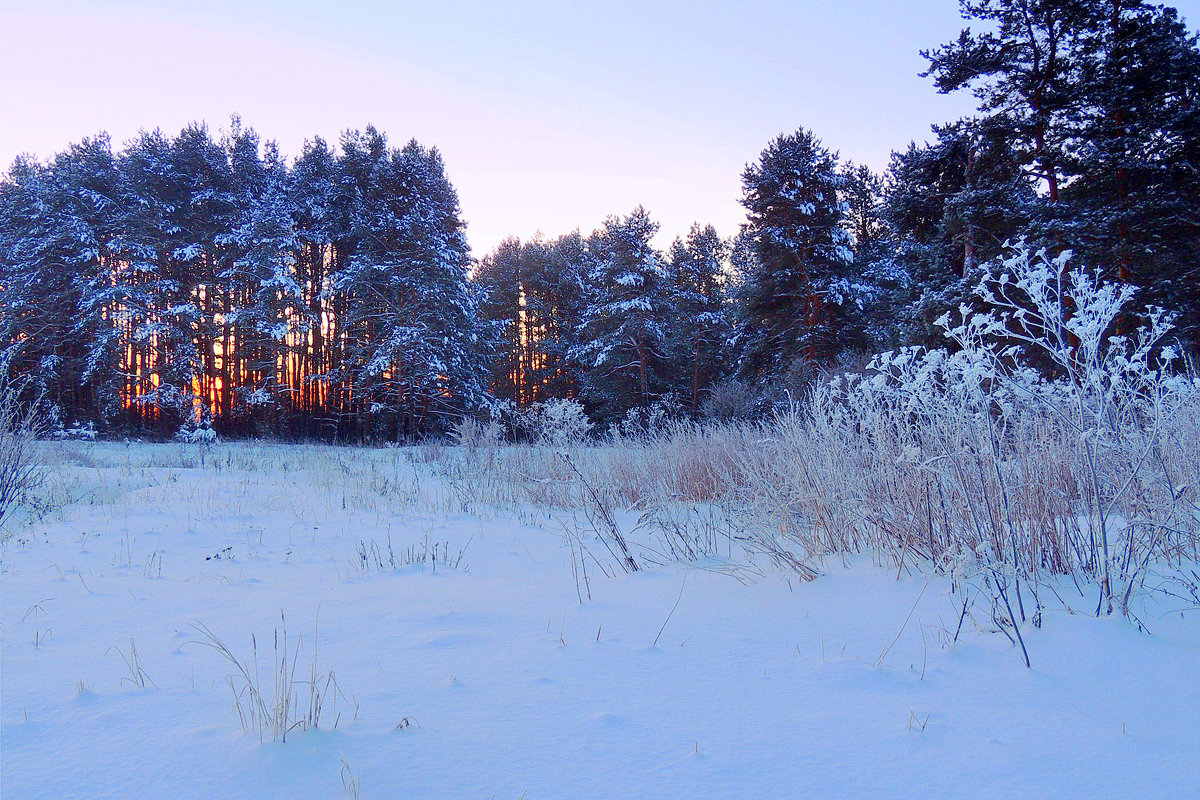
point(791, 309)
point(623, 341)
point(702, 324)
point(415, 347)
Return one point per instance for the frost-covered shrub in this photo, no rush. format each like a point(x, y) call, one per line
point(197, 435)
point(559, 422)
point(648, 421)
point(1044, 442)
point(731, 400)
point(259, 398)
point(77, 433)
point(176, 406)
point(470, 432)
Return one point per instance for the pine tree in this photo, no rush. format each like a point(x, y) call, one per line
point(55, 224)
point(622, 338)
point(1135, 191)
point(316, 359)
point(88, 172)
point(875, 280)
point(205, 217)
point(1023, 72)
point(262, 284)
point(791, 309)
point(702, 324)
point(415, 346)
point(555, 300)
point(1099, 100)
point(192, 281)
point(154, 292)
point(951, 204)
point(532, 291)
point(501, 278)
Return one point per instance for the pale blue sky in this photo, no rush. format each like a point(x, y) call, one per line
point(549, 115)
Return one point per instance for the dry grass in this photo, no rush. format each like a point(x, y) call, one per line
point(1005, 499)
point(21, 471)
point(286, 704)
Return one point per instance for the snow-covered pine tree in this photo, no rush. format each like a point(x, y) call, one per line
point(791, 310)
point(1097, 99)
point(533, 290)
point(554, 304)
point(169, 196)
point(415, 347)
point(262, 284)
point(869, 292)
point(951, 205)
point(206, 216)
point(317, 357)
point(55, 225)
point(1131, 204)
point(622, 340)
point(1022, 69)
point(500, 280)
point(702, 323)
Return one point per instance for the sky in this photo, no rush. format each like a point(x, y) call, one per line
point(550, 116)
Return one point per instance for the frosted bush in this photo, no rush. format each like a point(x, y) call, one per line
point(197, 435)
point(729, 401)
point(472, 433)
point(650, 420)
point(984, 424)
point(77, 433)
point(21, 470)
point(559, 422)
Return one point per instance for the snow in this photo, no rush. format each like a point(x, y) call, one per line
point(502, 683)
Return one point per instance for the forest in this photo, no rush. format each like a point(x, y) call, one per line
point(210, 282)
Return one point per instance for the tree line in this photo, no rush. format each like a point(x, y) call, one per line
point(1087, 137)
point(185, 281)
point(191, 281)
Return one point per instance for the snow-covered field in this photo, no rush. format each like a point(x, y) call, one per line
point(483, 674)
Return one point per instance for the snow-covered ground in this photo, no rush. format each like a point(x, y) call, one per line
point(491, 679)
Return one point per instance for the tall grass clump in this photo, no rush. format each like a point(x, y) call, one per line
point(1058, 434)
point(20, 466)
point(286, 702)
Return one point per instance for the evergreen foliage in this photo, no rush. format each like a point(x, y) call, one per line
point(793, 299)
point(950, 206)
point(703, 320)
point(1100, 102)
point(623, 338)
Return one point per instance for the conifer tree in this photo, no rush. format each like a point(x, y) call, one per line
point(791, 309)
point(500, 278)
point(951, 205)
point(1023, 71)
point(315, 361)
point(875, 280)
point(55, 225)
point(702, 323)
point(555, 300)
point(532, 291)
point(261, 281)
point(622, 340)
point(1133, 198)
point(1098, 99)
point(415, 346)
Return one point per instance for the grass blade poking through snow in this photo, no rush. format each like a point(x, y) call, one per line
point(276, 715)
